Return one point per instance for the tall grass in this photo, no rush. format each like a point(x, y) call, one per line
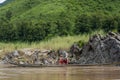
point(54, 43)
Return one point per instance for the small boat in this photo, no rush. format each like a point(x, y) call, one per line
point(43, 65)
point(57, 65)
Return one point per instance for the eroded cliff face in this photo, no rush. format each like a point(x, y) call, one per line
point(101, 50)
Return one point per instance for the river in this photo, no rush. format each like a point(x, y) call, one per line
point(60, 73)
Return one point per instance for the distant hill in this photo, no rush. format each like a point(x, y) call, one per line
point(25, 9)
point(40, 19)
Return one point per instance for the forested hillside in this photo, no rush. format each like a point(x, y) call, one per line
point(34, 20)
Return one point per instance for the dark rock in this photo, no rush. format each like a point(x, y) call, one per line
point(75, 51)
point(101, 50)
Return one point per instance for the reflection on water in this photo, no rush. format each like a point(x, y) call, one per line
point(61, 73)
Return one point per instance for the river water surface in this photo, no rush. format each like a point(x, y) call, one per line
point(60, 73)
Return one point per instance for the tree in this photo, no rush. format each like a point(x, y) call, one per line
point(83, 24)
point(8, 14)
point(110, 24)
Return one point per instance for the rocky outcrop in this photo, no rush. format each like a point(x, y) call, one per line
point(101, 50)
point(30, 56)
point(34, 56)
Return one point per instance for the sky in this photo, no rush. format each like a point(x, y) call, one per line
point(1, 1)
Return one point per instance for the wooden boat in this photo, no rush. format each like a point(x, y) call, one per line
point(57, 65)
point(43, 65)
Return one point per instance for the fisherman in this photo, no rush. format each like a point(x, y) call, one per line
point(63, 57)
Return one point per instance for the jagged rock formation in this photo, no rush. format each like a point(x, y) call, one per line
point(101, 50)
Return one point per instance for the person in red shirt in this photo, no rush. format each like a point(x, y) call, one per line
point(63, 60)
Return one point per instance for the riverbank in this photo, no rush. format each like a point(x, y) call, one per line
point(55, 43)
point(98, 49)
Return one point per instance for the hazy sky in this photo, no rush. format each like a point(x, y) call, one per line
point(1, 1)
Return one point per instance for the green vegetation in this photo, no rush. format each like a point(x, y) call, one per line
point(35, 20)
point(54, 43)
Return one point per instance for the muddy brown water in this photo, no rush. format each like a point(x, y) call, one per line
point(60, 73)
